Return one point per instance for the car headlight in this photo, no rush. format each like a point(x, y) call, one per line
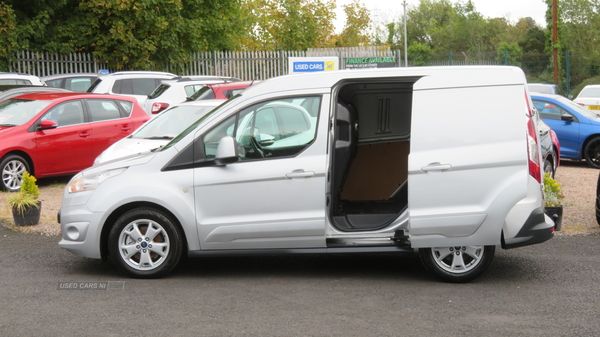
point(85, 182)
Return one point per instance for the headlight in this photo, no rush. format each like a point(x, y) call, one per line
point(82, 182)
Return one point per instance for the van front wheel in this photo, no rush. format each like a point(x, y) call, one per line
point(457, 264)
point(145, 243)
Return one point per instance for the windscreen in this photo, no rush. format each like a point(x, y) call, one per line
point(171, 122)
point(14, 112)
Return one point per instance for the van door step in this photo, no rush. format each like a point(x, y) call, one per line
point(401, 238)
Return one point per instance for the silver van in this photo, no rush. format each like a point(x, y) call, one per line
point(367, 161)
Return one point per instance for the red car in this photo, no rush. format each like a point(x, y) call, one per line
point(220, 90)
point(57, 133)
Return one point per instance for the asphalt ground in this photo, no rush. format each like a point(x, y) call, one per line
point(549, 289)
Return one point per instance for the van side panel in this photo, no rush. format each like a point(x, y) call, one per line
point(467, 164)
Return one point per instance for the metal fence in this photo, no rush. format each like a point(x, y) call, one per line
point(260, 65)
point(44, 64)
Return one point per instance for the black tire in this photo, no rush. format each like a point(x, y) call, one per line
point(473, 261)
point(12, 168)
point(150, 255)
point(598, 200)
point(549, 167)
point(591, 153)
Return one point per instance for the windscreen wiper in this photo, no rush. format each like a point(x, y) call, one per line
point(160, 137)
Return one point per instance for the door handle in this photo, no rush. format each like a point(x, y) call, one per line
point(436, 167)
point(300, 174)
point(84, 134)
point(125, 128)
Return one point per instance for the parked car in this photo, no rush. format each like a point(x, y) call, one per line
point(577, 129)
point(550, 145)
point(137, 84)
point(220, 91)
point(58, 133)
point(340, 185)
point(17, 78)
point(589, 97)
point(74, 81)
point(178, 90)
point(598, 200)
point(545, 88)
point(8, 91)
point(158, 131)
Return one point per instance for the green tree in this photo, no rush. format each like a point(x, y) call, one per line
point(11, 37)
point(419, 54)
point(355, 32)
point(288, 24)
point(509, 52)
point(128, 34)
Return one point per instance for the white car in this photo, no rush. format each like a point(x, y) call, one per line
point(138, 84)
point(381, 170)
point(159, 130)
point(16, 78)
point(589, 97)
point(177, 90)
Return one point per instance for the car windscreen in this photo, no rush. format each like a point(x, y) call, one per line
point(587, 113)
point(205, 92)
point(159, 90)
point(171, 122)
point(589, 92)
point(14, 81)
point(194, 125)
point(16, 111)
point(94, 85)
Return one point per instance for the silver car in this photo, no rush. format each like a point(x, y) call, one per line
point(159, 130)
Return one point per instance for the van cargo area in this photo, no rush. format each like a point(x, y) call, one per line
point(370, 155)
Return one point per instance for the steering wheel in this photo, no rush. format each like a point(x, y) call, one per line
point(256, 147)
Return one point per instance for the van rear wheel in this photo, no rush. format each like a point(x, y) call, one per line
point(457, 264)
point(145, 243)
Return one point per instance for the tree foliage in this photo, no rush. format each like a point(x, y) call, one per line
point(127, 34)
point(288, 24)
point(355, 32)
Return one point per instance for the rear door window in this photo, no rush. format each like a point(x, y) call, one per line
point(135, 86)
point(103, 109)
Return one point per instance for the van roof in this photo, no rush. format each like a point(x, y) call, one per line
point(430, 78)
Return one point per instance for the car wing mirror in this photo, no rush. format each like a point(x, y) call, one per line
point(227, 151)
point(567, 117)
point(48, 124)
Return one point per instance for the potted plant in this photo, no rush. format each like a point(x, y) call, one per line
point(553, 200)
point(26, 207)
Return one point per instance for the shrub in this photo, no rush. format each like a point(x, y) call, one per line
point(552, 189)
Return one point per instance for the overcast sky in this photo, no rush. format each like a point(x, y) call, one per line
point(388, 10)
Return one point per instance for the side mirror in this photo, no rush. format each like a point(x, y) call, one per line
point(567, 118)
point(226, 151)
point(48, 124)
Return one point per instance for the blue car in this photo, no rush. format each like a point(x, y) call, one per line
point(577, 129)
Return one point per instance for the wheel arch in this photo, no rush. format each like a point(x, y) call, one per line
point(112, 218)
point(25, 156)
point(585, 143)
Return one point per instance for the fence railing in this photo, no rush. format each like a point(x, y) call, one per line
point(44, 64)
point(246, 65)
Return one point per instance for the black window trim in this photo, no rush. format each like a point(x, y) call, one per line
point(197, 162)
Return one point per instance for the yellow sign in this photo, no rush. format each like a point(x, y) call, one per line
point(329, 65)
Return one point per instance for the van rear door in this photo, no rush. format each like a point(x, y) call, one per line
point(468, 161)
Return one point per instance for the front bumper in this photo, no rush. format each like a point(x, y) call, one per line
point(537, 228)
point(80, 231)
